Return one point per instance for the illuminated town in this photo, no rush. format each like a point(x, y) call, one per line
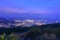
point(24, 23)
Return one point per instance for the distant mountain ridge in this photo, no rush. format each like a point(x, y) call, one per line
point(23, 16)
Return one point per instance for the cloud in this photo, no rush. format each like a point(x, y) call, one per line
point(15, 10)
point(12, 10)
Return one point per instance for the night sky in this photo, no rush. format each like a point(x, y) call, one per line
point(49, 9)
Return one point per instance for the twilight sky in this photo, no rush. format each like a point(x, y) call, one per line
point(46, 7)
point(34, 6)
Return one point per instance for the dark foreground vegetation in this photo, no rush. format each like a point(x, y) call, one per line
point(43, 32)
